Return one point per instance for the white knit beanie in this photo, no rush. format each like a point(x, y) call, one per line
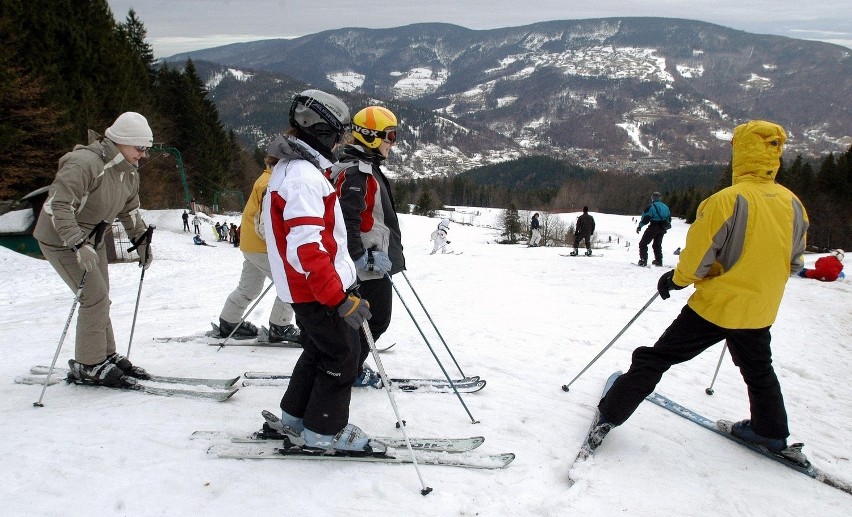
point(131, 128)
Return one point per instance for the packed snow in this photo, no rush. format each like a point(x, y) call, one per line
point(527, 320)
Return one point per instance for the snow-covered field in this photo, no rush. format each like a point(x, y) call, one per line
point(525, 319)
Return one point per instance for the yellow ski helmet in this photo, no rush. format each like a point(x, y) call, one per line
point(373, 124)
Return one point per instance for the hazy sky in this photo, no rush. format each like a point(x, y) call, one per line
point(182, 25)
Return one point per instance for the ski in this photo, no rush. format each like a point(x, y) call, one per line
point(399, 384)
point(278, 375)
point(581, 255)
point(273, 451)
point(722, 428)
point(218, 396)
point(38, 379)
point(427, 444)
point(586, 449)
point(192, 381)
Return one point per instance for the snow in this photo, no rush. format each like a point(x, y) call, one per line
point(525, 319)
point(16, 221)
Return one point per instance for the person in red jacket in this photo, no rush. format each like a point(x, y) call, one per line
point(826, 269)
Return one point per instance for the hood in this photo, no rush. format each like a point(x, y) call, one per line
point(757, 148)
point(292, 148)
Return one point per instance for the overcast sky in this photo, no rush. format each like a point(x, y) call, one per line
point(182, 25)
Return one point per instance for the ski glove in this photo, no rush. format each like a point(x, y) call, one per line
point(374, 260)
point(145, 255)
point(354, 310)
point(87, 257)
point(666, 284)
point(638, 229)
point(803, 273)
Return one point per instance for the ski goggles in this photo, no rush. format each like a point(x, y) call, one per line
point(388, 135)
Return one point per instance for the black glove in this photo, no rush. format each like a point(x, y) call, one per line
point(638, 229)
point(666, 284)
point(354, 310)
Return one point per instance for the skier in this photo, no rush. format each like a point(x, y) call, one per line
point(374, 238)
point(306, 240)
point(535, 236)
point(584, 230)
point(739, 253)
point(198, 241)
point(185, 218)
point(254, 273)
point(104, 175)
point(826, 269)
point(196, 224)
point(658, 218)
point(439, 236)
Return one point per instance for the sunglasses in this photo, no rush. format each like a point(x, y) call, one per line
point(141, 148)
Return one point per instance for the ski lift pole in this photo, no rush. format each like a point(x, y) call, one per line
point(400, 422)
point(432, 350)
point(566, 387)
point(98, 232)
point(259, 298)
point(142, 238)
point(432, 322)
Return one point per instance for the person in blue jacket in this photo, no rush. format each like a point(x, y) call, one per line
point(658, 217)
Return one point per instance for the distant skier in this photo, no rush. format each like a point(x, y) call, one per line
point(659, 219)
point(439, 236)
point(535, 226)
point(584, 230)
point(826, 269)
point(185, 218)
point(196, 224)
point(198, 241)
point(739, 253)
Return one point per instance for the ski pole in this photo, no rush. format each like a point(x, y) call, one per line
point(440, 365)
point(566, 387)
point(259, 298)
point(709, 390)
point(431, 321)
point(399, 421)
point(98, 232)
point(144, 237)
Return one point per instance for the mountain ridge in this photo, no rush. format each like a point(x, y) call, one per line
point(638, 94)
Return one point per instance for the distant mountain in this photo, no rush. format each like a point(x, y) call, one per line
point(616, 93)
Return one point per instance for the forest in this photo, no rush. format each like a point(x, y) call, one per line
point(68, 66)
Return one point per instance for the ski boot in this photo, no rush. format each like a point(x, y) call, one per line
point(643, 262)
point(127, 367)
point(588, 253)
point(574, 253)
point(245, 331)
point(104, 373)
point(368, 378)
point(598, 433)
point(658, 263)
point(744, 432)
point(279, 333)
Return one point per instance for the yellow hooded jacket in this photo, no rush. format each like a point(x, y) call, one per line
point(250, 242)
point(747, 239)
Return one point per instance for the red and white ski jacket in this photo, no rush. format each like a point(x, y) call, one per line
point(305, 231)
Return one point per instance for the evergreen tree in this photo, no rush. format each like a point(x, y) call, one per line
point(511, 224)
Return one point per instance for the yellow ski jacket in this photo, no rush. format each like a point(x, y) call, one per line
point(250, 242)
point(747, 239)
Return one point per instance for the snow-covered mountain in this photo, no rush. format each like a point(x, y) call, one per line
point(616, 93)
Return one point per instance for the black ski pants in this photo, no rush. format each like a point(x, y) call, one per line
point(379, 293)
point(579, 237)
point(653, 233)
point(321, 386)
point(687, 336)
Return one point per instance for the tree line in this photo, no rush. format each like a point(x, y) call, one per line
point(549, 185)
point(68, 66)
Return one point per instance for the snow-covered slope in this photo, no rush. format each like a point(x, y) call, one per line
point(525, 319)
